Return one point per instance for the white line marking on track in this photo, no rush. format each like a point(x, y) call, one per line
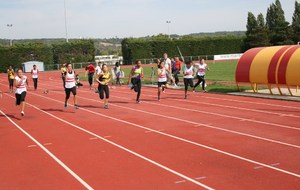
point(196, 123)
point(87, 186)
point(47, 144)
point(178, 182)
point(32, 146)
point(93, 138)
point(260, 167)
point(164, 134)
point(127, 150)
point(200, 178)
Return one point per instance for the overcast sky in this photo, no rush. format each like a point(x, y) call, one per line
point(127, 18)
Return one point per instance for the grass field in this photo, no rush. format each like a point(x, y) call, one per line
point(217, 76)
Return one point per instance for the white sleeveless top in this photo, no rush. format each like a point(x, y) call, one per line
point(202, 69)
point(21, 87)
point(70, 80)
point(163, 75)
point(34, 73)
point(189, 72)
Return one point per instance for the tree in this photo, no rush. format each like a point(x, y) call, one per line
point(296, 23)
point(257, 32)
point(278, 27)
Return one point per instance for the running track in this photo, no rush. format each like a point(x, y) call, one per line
point(206, 142)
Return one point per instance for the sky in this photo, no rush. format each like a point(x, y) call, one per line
point(33, 19)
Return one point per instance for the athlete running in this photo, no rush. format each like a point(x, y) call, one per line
point(135, 76)
point(20, 84)
point(70, 85)
point(103, 80)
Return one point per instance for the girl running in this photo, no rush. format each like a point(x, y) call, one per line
point(135, 76)
point(35, 76)
point(11, 77)
point(202, 68)
point(70, 85)
point(20, 83)
point(162, 78)
point(103, 80)
point(188, 74)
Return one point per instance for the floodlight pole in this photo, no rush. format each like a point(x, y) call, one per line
point(66, 26)
point(168, 23)
point(10, 40)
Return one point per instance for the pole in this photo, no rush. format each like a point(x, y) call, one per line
point(169, 22)
point(66, 26)
point(10, 27)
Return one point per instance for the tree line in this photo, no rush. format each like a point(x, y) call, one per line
point(274, 29)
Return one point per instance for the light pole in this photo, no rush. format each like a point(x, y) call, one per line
point(10, 26)
point(66, 26)
point(168, 23)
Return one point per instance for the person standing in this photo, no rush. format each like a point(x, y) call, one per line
point(103, 80)
point(90, 71)
point(98, 68)
point(35, 76)
point(135, 76)
point(117, 71)
point(188, 75)
point(202, 68)
point(178, 65)
point(20, 84)
point(70, 85)
point(168, 67)
point(63, 70)
point(11, 77)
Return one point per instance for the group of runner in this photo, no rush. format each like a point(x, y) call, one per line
point(167, 68)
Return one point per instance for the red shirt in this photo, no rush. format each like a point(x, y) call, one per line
point(90, 68)
point(178, 65)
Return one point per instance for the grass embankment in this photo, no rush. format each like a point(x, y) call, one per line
point(220, 77)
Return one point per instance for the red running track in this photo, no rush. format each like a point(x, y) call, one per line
point(209, 141)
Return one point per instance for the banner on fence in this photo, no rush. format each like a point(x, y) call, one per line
point(227, 57)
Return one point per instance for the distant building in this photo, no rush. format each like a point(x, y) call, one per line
point(109, 59)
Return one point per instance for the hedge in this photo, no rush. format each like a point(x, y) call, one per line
point(75, 51)
point(134, 48)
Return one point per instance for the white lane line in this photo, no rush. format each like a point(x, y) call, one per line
point(125, 149)
point(87, 186)
point(260, 167)
point(228, 116)
point(32, 146)
point(233, 100)
point(195, 123)
point(225, 106)
point(171, 136)
point(93, 138)
point(47, 144)
point(181, 181)
point(200, 178)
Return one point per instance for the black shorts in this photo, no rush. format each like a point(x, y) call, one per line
point(20, 98)
point(69, 90)
point(161, 83)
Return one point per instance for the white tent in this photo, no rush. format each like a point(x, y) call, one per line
point(27, 66)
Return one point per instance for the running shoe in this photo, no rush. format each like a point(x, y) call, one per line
point(185, 96)
point(106, 107)
point(194, 90)
point(66, 105)
point(22, 113)
point(76, 106)
point(138, 101)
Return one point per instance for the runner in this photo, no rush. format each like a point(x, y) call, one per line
point(178, 64)
point(103, 80)
point(135, 76)
point(202, 68)
point(11, 77)
point(117, 71)
point(90, 70)
point(63, 71)
point(70, 85)
point(35, 76)
point(188, 74)
point(162, 78)
point(20, 84)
